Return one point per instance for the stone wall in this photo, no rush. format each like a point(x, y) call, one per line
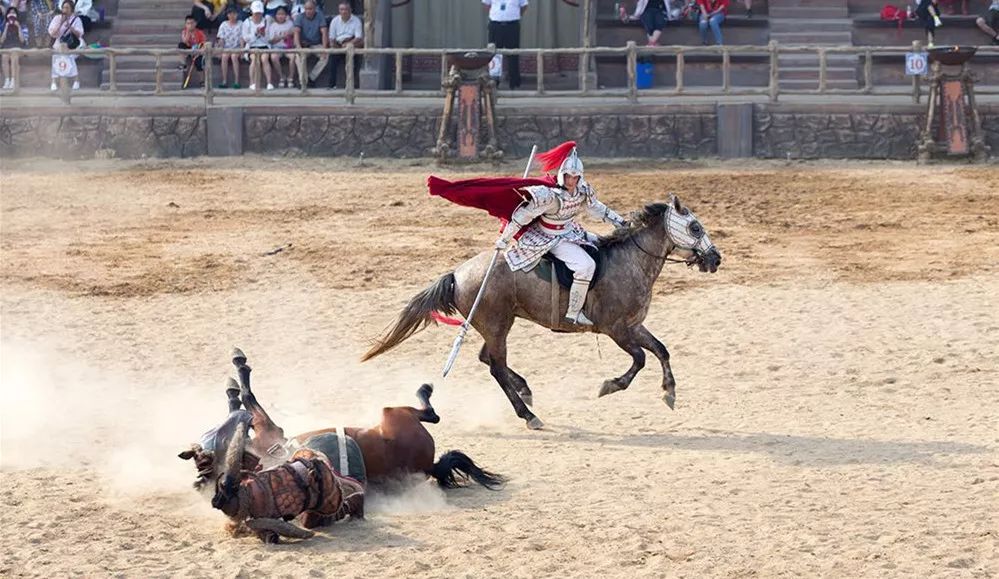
point(652, 131)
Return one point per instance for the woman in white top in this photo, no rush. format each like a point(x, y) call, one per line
point(65, 28)
point(281, 35)
point(230, 37)
point(255, 37)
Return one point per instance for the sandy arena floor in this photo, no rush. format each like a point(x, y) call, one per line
point(838, 378)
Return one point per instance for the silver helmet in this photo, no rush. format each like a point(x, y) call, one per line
point(570, 166)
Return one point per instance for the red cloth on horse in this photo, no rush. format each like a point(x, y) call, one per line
point(498, 196)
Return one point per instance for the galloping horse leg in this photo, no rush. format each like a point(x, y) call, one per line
point(628, 343)
point(658, 349)
point(495, 349)
point(519, 383)
point(427, 413)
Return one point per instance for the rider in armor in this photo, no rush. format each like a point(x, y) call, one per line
point(548, 224)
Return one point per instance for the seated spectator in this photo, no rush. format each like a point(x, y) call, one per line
point(85, 10)
point(230, 37)
point(345, 29)
point(281, 35)
point(66, 29)
point(203, 13)
point(989, 24)
point(713, 13)
point(310, 32)
point(653, 16)
point(929, 12)
point(270, 9)
point(12, 37)
point(220, 9)
point(191, 38)
point(255, 37)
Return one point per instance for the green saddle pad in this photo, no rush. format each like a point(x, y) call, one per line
point(329, 445)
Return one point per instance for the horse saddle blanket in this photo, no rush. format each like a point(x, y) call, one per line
point(340, 448)
point(562, 271)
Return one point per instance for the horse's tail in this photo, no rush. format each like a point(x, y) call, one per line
point(439, 297)
point(454, 468)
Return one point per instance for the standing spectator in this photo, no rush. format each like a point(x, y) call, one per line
point(230, 37)
point(38, 13)
point(11, 37)
point(310, 32)
point(504, 31)
point(255, 37)
point(989, 24)
point(203, 12)
point(652, 14)
point(345, 29)
point(191, 38)
point(713, 13)
point(67, 31)
point(929, 12)
point(281, 35)
point(749, 8)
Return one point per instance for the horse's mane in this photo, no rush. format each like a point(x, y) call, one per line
point(647, 217)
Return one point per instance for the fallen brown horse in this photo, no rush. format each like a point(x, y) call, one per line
point(394, 449)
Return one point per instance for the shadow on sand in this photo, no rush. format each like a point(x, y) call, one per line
point(812, 451)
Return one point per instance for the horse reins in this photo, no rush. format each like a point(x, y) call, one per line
point(664, 258)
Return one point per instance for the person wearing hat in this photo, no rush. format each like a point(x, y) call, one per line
point(255, 37)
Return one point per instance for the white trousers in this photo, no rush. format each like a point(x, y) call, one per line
point(574, 256)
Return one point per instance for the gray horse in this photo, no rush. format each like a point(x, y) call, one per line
point(633, 257)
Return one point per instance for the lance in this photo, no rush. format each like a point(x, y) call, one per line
point(482, 289)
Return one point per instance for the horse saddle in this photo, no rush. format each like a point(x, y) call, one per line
point(329, 444)
point(562, 271)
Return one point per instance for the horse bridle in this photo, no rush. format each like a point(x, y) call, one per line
point(665, 257)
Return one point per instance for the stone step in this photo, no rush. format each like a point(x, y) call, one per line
point(812, 60)
point(809, 73)
point(148, 26)
point(175, 15)
point(809, 12)
point(802, 84)
point(143, 75)
point(813, 38)
point(821, 25)
point(159, 40)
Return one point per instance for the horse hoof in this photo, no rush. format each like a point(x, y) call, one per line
point(669, 399)
point(231, 384)
point(528, 398)
point(238, 357)
point(535, 423)
point(609, 387)
point(426, 390)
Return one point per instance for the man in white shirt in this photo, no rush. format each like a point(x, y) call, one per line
point(345, 29)
point(504, 31)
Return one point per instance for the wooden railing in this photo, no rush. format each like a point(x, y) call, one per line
point(630, 53)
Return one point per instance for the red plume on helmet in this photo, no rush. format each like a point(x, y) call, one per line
point(551, 160)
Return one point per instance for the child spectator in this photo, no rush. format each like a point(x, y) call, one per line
point(713, 13)
point(191, 38)
point(989, 23)
point(66, 29)
point(281, 35)
point(255, 37)
point(230, 37)
point(345, 29)
point(11, 37)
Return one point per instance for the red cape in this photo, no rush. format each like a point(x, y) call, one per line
point(499, 196)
